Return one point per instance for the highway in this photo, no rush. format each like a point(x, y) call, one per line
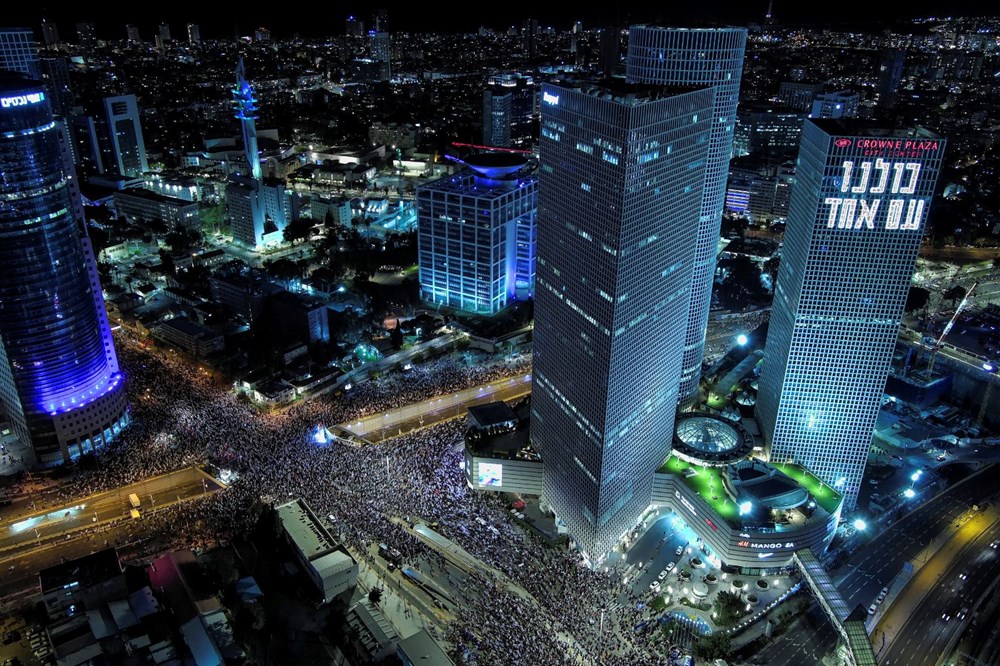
point(33, 540)
point(378, 427)
point(923, 624)
point(806, 640)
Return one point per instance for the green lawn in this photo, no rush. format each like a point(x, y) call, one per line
point(825, 496)
point(708, 484)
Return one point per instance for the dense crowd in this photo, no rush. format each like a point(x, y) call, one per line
point(541, 607)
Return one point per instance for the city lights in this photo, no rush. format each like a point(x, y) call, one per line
point(860, 525)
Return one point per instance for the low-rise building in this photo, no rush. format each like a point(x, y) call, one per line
point(86, 582)
point(375, 638)
point(327, 564)
point(141, 204)
point(421, 649)
point(189, 336)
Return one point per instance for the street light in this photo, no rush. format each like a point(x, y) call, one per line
point(742, 339)
point(915, 476)
point(860, 525)
point(909, 493)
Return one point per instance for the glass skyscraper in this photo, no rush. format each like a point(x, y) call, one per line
point(855, 225)
point(60, 385)
point(476, 234)
point(697, 57)
point(620, 181)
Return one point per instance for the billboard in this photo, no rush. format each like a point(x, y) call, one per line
point(490, 474)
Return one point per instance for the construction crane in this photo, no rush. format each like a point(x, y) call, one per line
point(947, 328)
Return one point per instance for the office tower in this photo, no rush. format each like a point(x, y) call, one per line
point(127, 149)
point(355, 27)
point(50, 33)
point(497, 111)
point(55, 73)
point(381, 51)
point(759, 188)
point(509, 111)
point(164, 32)
point(840, 104)
point(890, 75)
point(855, 225)
point(529, 32)
point(194, 34)
point(611, 50)
point(712, 56)
point(763, 130)
point(257, 210)
point(381, 20)
point(18, 51)
point(476, 234)
point(60, 385)
point(132, 34)
point(86, 33)
point(622, 169)
point(798, 95)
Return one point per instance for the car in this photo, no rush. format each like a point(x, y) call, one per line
point(962, 613)
point(946, 617)
point(662, 574)
point(941, 458)
point(670, 567)
point(963, 576)
point(654, 586)
point(880, 598)
point(885, 591)
point(995, 544)
point(679, 551)
point(871, 609)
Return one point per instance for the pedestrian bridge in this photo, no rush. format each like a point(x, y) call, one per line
point(850, 625)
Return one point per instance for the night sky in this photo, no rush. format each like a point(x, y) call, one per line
point(446, 17)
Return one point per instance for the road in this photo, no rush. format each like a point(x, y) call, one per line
point(923, 623)
point(378, 427)
point(33, 540)
point(805, 641)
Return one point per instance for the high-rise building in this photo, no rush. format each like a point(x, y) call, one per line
point(194, 34)
point(529, 32)
point(763, 130)
point(60, 385)
point(839, 104)
point(508, 112)
point(611, 50)
point(798, 95)
point(890, 76)
point(855, 225)
point(355, 27)
point(55, 73)
point(258, 211)
point(132, 34)
point(164, 32)
point(50, 33)
point(714, 57)
point(86, 33)
point(476, 234)
point(19, 52)
point(622, 169)
point(381, 50)
point(262, 34)
point(380, 20)
point(127, 147)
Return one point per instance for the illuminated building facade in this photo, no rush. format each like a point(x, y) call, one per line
point(622, 169)
point(476, 235)
point(257, 210)
point(697, 57)
point(855, 225)
point(127, 146)
point(18, 51)
point(509, 111)
point(60, 385)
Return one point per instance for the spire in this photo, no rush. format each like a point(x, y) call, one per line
point(241, 73)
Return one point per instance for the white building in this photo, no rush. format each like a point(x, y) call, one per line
point(855, 225)
point(323, 560)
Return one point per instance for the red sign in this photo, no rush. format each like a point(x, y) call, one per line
point(842, 143)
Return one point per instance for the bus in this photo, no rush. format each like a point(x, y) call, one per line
point(133, 499)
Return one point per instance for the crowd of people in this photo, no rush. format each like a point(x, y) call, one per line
point(542, 606)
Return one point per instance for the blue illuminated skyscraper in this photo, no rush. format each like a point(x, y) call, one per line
point(60, 385)
point(693, 57)
point(855, 225)
point(622, 168)
point(476, 234)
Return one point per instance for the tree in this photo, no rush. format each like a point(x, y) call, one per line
point(954, 294)
point(729, 607)
point(327, 278)
point(375, 596)
point(296, 231)
point(741, 286)
point(917, 299)
point(715, 646)
point(283, 270)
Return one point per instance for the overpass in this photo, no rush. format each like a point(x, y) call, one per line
point(850, 625)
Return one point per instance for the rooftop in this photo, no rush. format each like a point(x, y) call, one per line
point(149, 195)
point(420, 648)
point(871, 128)
point(85, 571)
point(708, 482)
point(305, 530)
point(623, 92)
point(492, 413)
point(825, 496)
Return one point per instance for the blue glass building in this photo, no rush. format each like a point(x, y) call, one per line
point(620, 190)
point(697, 57)
point(476, 234)
point(60, 385)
